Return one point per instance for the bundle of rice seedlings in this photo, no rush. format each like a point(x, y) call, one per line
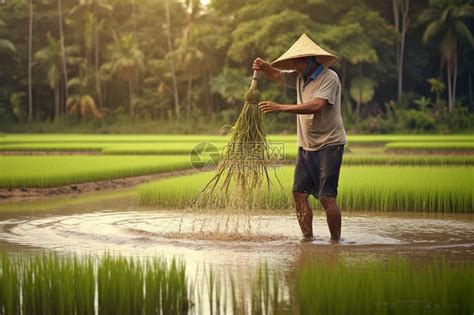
point(245, 160)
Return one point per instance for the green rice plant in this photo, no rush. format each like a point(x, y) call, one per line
point(51, 171)
point(84, 284)
point(381, 188)
point(155, 148)
point(397, 159)
point(9, 286)
point(107, 139)
point(381, 139)
point(117, 294)
point(459, 146)
point(175, 296)
point(362, 156)
point(78, 146)
point(127, 148)
point(427, 160)
point(130, 286)
point(393, 287)
point(51, 285)
point(155, 275)
point(163, 144)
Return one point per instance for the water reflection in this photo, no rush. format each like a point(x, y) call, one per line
point(235, 238)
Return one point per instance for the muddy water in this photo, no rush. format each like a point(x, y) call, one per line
point(119, 225)
point(227, 243)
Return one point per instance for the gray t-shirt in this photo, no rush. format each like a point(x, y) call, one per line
point(317, 131)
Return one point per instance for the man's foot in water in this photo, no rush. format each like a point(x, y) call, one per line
point(307, 238)
point(336, 240)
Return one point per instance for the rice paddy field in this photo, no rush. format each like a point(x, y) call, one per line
point(366, 139)
point(52, 171)
point(147, 248)
point(382, 188)
point(448, 145)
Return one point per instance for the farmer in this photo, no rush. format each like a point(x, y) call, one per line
point(320, 130)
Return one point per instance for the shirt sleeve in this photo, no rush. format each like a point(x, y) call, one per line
point(290, 78)
point(328, 90)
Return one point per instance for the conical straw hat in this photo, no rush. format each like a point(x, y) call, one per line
point(304, 47)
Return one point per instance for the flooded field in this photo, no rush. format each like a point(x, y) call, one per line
point(121, 226)
point(111, 247)
point(232, 247)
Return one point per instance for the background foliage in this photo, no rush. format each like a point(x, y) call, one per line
point(182, 66)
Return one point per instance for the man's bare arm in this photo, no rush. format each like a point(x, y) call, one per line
point(306, 108)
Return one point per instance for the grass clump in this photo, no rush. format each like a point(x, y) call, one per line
point(9, 287)
point(393, 287)
point(50, 284)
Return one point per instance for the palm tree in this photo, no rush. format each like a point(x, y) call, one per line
point(90, 11)
point(30, 61)
point(436, 86)
point(362, 91)
point(126, 61)
point(446, 19)
point(193, 47)
point(171, 58)
point(63, 48)
point(50, 57)
point(81, 104)
point(401, 19)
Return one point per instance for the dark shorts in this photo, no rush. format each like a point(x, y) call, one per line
point(317, 172)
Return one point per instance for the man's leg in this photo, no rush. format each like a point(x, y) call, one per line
point(304, 213)
point(333, 216)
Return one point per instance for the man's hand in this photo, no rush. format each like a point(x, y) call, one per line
point(261, 65)
point(270, 107)
point(271, 73)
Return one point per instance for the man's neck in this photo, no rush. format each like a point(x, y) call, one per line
point(315, 66)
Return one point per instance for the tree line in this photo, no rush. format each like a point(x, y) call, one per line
point(170, 59)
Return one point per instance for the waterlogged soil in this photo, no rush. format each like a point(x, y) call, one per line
point(226, 240)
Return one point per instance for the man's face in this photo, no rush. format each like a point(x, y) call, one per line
point(299, 64)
